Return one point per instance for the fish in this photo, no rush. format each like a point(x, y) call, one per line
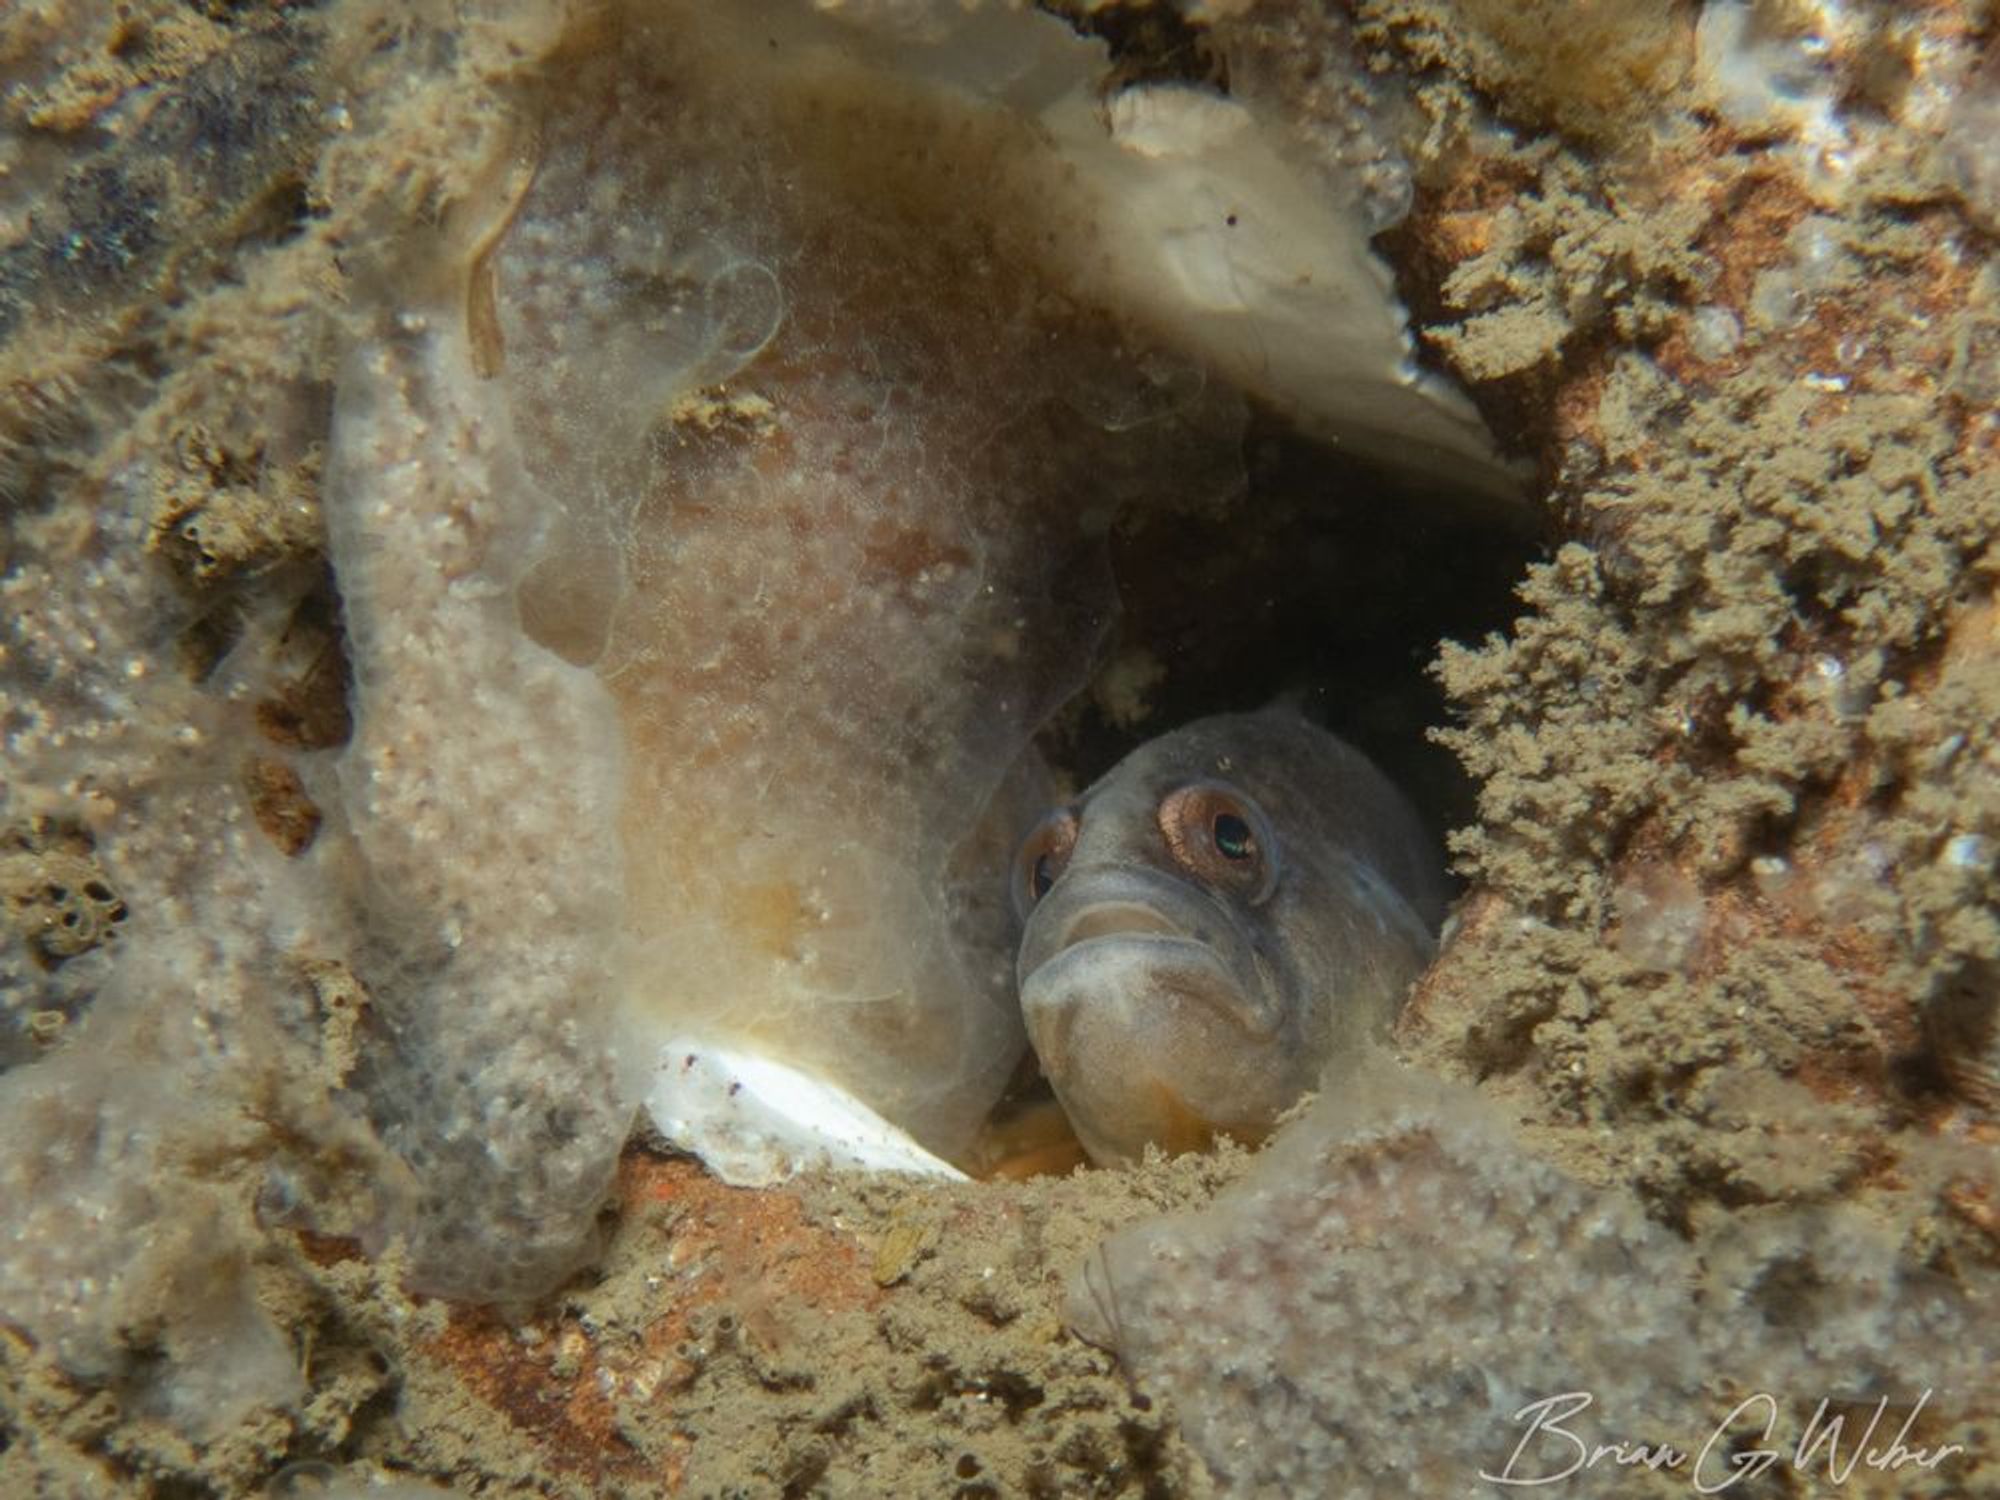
point(1215, 927)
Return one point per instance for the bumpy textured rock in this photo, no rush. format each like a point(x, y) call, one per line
point(1400, 1297)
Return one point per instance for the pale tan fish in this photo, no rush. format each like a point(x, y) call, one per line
point(1216, 926)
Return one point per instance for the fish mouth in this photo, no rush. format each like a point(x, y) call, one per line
point(1136, 945)
point(1143, 907)
point(1105, 928)
point(1117, 919)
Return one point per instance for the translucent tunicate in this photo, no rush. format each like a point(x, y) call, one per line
point(817, 513)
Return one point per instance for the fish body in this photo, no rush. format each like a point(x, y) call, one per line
point(1234, 909)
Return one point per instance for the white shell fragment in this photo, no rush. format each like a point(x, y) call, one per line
point(1187, 214)
point(755, 1121)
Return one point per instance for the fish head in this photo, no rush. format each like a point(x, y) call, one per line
point(1198, 938)
point(1146, 974)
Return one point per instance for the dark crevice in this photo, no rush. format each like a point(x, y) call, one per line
point(1326, 583)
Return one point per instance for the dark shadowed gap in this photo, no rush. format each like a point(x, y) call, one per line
point(1326, 581)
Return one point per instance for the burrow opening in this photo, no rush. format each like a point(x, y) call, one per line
point(1327, 582)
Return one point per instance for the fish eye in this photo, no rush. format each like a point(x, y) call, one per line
point(1042, 858)
point(1216, 833)
point(1232, 836)
point(1042, 876)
